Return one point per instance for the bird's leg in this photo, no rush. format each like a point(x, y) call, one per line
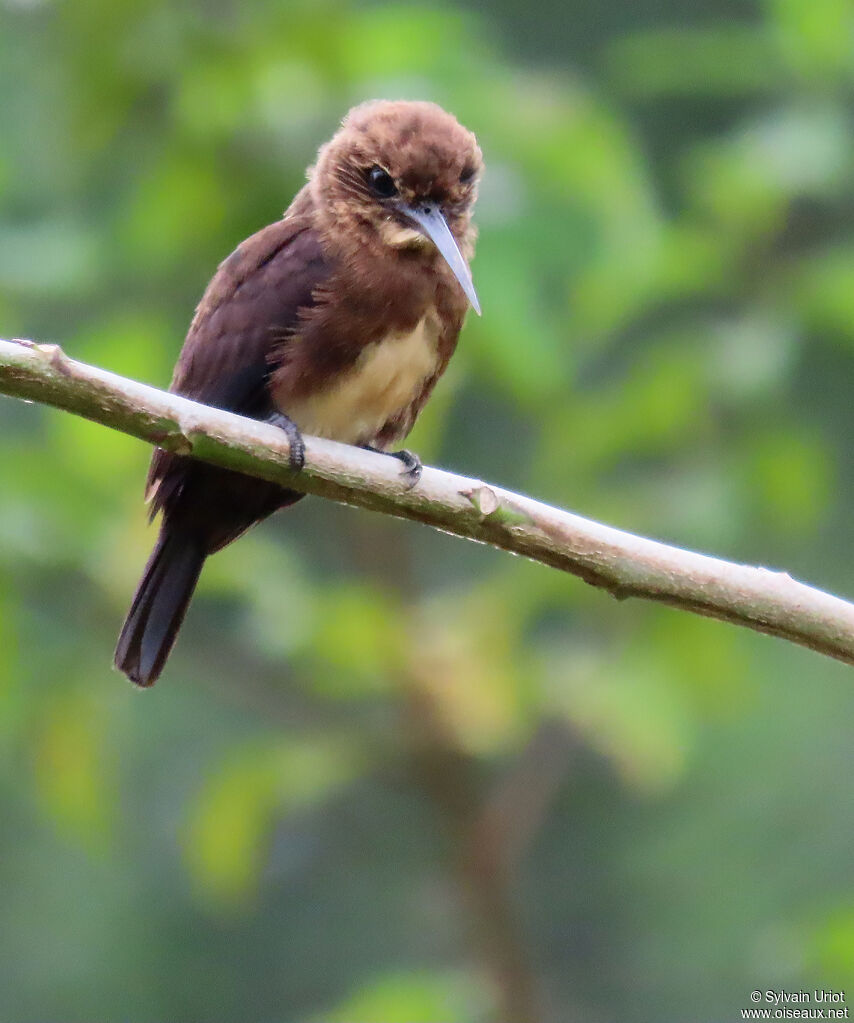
point(295, 441)
point(411, 462)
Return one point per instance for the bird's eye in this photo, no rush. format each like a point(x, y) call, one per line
point(381, 183)
point(467, 174)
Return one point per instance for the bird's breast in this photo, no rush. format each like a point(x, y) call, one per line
point(384, 382)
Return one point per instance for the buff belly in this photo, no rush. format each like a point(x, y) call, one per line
point(382, 384)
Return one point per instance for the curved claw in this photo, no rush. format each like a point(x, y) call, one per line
point(412, 465)
point(411, 462)
point(295, 441)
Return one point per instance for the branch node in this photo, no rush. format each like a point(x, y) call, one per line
point(173, 440)
point(492, 508)
point(57, 359)
point(181, 445)
point(484, 500)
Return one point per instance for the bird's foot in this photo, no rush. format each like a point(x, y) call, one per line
point(295, 441)
point(411, 463)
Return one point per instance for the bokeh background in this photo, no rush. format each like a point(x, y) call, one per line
point(390, 776)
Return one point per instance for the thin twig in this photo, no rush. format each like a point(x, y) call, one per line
point(622, 563)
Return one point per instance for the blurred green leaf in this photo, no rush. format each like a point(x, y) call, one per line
point(415, 998)
point(233, 818)
point(71, 775)
point(720, 60)
point(816, 37)
point(834, 946)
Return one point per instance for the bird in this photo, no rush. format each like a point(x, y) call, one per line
point(335, 321)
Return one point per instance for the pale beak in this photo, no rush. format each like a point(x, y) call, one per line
point(431, 222)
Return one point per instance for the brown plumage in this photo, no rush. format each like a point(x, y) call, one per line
point(337, 321)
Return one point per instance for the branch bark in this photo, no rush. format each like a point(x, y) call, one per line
point(621, 563)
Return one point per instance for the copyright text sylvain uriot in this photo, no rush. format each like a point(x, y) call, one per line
point(818, 1003)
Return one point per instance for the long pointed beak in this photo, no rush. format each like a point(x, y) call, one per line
point(431, 222)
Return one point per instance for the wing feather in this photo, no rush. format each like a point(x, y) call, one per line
point(241, 327)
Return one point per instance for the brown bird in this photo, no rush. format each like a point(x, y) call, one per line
point(335, 321)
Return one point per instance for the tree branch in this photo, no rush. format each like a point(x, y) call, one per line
point(624, 564)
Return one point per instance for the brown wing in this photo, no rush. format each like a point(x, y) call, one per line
point(248, 308)
point(242, 322)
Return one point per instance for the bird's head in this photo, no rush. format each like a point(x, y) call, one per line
point(403, 175)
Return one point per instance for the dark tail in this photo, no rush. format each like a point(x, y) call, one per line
point(159, 606)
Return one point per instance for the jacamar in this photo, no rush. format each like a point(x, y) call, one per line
point(335, 321)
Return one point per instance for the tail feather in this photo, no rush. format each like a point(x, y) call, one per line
point(159, 606)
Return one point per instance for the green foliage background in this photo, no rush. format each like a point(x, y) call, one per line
point(666, 267)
